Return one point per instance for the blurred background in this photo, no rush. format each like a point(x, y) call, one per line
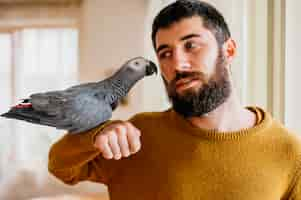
point(53, 44)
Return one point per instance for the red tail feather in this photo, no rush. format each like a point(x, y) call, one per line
point(23, 105)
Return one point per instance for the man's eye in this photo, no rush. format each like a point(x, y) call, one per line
point(165, 54)
point(190, 45)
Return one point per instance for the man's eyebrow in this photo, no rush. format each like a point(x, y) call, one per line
point(163, 46)
point(190, 36)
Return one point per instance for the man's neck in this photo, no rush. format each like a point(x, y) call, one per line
point(230, 116)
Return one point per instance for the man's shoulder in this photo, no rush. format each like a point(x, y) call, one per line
point(287, 137)
point(289, 144)
point(284, 131)
point(276, 130)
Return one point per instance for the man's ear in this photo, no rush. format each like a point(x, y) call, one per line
point(229, 48)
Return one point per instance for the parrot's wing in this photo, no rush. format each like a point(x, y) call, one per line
point(86, 112)
point(83, 86)
point(50, 103)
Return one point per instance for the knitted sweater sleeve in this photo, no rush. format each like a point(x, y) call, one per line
point(295, 192)
point(74, 158)
point(294, 189)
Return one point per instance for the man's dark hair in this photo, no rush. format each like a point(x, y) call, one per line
point(212, 18)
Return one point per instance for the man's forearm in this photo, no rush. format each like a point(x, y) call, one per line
point(74, 158)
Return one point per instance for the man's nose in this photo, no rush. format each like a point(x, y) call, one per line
point(181, 62)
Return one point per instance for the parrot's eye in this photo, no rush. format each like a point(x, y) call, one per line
point(136, 63)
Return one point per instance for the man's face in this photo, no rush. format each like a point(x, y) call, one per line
point(193, 67)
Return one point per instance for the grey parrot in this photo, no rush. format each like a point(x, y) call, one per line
point(85, 106)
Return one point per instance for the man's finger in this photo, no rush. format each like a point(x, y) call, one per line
point(133, 136)
point(106, 150)
point(123, 141)
point(113, 143)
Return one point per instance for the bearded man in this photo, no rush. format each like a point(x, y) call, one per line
point(206, 146)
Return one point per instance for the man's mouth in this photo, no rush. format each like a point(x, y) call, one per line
point(186, 83)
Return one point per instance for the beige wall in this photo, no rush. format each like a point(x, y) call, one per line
point(14, 16)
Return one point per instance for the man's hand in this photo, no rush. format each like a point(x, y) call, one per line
point(117, 140)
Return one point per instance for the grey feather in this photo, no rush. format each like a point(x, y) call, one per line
point(82, 107)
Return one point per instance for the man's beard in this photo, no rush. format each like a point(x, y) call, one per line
point(211, 94)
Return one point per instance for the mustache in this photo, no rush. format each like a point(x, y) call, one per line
point(193, 75)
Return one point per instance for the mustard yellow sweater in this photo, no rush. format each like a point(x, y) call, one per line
point(181, 162)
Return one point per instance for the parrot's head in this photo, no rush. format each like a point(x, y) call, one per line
point(132, 71)
point(142, 66)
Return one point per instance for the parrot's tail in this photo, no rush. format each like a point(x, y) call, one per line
point(21, 114)
point(28, 114)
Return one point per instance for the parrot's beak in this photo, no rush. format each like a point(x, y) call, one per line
point(151, 68)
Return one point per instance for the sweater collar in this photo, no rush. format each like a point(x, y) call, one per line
point(264, 120)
